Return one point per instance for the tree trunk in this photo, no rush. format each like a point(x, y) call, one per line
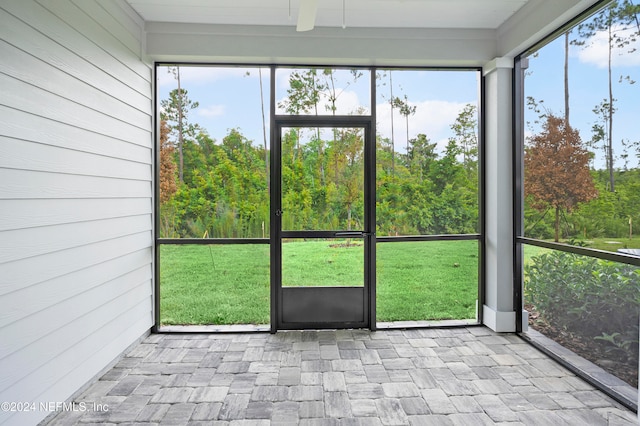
point(180, 135)
point(557, 237)
point(264, 133)
point(566, 78)
point(610, 133)
point(407, 122)
point(393, 155)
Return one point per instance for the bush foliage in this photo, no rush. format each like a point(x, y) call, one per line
point(590, 297)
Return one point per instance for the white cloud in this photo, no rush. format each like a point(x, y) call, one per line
point(596, 50)
point(211, 111)
point(346, 104)
point(432, 118)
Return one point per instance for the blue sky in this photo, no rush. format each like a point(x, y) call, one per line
point(588, 86)
point(230, 97)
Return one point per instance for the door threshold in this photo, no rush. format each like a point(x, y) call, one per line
point(265, 328)
point(425, 324)
point(231, 328)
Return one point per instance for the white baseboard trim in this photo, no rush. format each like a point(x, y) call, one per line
point(499, 321)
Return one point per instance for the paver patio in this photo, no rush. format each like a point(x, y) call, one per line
point(455, 376)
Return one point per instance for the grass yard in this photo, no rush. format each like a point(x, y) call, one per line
point(433, 280)
point(612, 244)
point(323, 263)
point(223, 284)
point(229, 284)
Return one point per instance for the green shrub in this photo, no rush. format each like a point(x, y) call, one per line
point(590, 297)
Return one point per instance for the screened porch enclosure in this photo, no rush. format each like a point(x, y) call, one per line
point(297, 167)
point(98, 252)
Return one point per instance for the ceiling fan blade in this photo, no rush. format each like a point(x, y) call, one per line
point(307, 15)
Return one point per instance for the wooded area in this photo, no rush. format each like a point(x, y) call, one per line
point(225, 190)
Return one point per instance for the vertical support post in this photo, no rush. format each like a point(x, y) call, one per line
point(370, 203)
point(498, 310)
point(156, 205)
point(274, 225)
point(522, 316)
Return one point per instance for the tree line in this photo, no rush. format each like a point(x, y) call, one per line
point(225, 188)
point(220, 189)
point(565, 198)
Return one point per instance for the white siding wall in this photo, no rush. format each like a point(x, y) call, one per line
point(75, 195)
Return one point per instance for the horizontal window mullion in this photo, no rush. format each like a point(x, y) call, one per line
point(446, 237)
point(584, 251)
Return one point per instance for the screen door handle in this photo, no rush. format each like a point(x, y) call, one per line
point(353, 234)
point(350, 234)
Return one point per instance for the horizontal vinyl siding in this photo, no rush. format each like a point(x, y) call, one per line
point(44, 130)
point(26, 155)
point(33, 242)
point(28, 98)
point(34, 213)
point(76, 196)
point(28, 184)
point(30, 70)
point(65, 262)
point(49, 294)
point(52, 48)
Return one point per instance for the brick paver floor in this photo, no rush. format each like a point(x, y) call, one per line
point(456, 376)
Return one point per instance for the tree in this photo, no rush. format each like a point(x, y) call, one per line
point(421, 154)
point(331, 91)
point(619, 21)
point(311, 89)
point(264, 125)
point(352, 176)
point(303, 95)
point(168, 185)
point(175, 112)
point(264, 129)
point(557, 169)
point(393, 140)
point(465, 129)
point(602, 135)
point(566, 77)
point(627, 146)
point(390, 143)
point(405, 110)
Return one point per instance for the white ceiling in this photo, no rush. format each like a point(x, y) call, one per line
point(378, 32)
point(477, 14)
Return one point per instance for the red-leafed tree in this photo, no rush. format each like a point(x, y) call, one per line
point(557, 169)
point(168, 167)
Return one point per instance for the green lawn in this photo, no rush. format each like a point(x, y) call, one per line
point(229, 284)
point(612, 244)
point(427, 280)
point(224, 284)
